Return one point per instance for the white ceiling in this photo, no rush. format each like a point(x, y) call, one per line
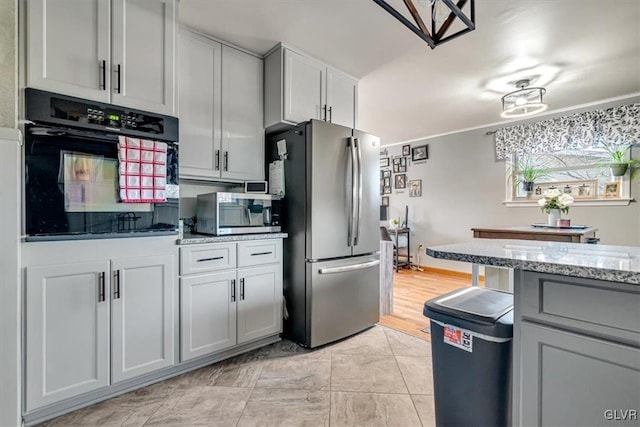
point(582, 51)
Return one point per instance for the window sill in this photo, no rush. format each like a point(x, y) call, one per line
point(579, 202)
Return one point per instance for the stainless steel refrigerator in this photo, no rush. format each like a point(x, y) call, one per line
point(331, 212)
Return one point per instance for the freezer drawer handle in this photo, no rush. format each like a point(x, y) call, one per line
point(349, 267)
point(262, 253)
point(215, 258)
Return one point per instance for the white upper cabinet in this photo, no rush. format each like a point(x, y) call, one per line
point(115, 51)
point(304, 88)
point(300, 88)
point(143, 54)
point(199, 88)
point(68, 47)
point(220, 111)
point(342, 92)
point(242, 116)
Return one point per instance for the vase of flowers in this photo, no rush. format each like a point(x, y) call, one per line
point(554, 202)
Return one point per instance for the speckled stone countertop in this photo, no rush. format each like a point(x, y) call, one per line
point(190, 239)
point(604, 262)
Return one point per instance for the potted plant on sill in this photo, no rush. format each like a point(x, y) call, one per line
point(620, 161)
point(530, 173)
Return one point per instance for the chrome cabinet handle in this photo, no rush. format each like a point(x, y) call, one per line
point(233, 290)
point(210, 259)
point(103, 69)
point(217, 160)
point(325, 112)
point(261, 253)
point(101, 286)
point(118, 72)
point(116, 284)
point(241, 289)
point(330, 119)
point(226, 160)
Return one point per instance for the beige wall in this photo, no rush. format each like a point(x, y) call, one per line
point(463, 187)
point(8, 58)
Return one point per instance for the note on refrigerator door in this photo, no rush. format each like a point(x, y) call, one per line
point(276, 178)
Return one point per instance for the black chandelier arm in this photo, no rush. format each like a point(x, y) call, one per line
point(383, 4)
point(460, 14)
point(437, 35)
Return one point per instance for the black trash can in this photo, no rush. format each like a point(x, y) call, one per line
point(471, 346)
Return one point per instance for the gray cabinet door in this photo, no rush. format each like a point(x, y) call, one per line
point(67, 331)
point(142, 337)
point(199, 106)
point(342, 98)
point(143, 53)
point(304, 87)
point(259, 302)
point(207, 313)
point(68, 47)
point(572, 380)
point(242, 116)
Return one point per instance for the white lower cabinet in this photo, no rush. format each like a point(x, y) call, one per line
point(67, 331)
point(91, 324)
point(141, 316)
point(208, 313)
point(226, 306)
point(260, 302)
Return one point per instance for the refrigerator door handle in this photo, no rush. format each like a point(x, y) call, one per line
point(359, 190)
point(354, 192)
point(351, 267)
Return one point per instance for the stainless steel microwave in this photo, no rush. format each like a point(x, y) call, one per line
point(223, 213)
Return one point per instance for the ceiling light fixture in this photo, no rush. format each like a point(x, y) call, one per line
point(442, 14)
point(526, 101)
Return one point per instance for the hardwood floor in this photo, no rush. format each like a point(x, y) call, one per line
point(410, 291)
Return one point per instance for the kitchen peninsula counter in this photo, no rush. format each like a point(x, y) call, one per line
point(604, 262)
point(576, 343)
point(192, 238)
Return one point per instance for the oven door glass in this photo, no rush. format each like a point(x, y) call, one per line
point(71, 187)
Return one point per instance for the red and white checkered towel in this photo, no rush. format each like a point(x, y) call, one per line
point(143, 170)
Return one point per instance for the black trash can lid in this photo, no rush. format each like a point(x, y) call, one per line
point(473, 304)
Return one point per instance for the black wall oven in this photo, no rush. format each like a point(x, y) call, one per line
point(74, 175)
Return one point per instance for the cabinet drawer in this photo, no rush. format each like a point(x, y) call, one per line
point(259, 252)
point(595, 307)
point(200, 259)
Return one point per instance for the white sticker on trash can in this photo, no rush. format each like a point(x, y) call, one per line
point(458, 338)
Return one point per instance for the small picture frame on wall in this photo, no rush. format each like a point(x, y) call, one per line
point(396, 168)
point(415, 188)
point(420, 153)
point(385, 200)
point(611, 190)
point(387, 174)
point(406, 150)
point(387, 182)
point(386, 190)
point(400, 181)
point(402, 167)
point(384, 162)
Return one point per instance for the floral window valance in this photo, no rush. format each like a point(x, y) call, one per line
point(611, 126)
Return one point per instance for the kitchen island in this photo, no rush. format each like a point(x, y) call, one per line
point(576, 348)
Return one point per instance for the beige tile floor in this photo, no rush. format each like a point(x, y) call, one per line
point(380, 377)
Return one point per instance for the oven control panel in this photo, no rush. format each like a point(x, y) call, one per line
point(50, 108)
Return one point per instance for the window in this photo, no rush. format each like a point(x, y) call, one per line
point(582, 173)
